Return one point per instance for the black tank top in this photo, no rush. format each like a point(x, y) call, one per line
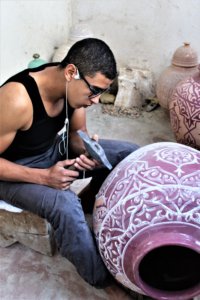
point(40, 136)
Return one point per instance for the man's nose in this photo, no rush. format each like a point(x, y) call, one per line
point(95, 100)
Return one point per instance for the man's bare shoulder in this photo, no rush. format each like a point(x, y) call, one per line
point(14, 92)
point(15, 103)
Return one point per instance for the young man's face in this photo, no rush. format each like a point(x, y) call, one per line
point(85, 91)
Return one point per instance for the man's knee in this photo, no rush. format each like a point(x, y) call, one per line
point(64, 203)
point(124, 149)
point(128, 148)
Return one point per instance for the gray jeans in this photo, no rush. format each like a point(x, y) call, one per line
point(63, 209)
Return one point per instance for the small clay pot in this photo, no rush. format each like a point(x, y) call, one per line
point(184, 109)
point(184, 64)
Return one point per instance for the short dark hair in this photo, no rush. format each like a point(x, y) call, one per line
point(90, 56)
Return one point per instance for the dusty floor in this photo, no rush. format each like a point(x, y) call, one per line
point(28, 275)
point(148, 128)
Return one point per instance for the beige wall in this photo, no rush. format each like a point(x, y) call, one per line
point(142, 33)
point(30, 26)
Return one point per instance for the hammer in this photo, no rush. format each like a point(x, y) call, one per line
point(94, 149)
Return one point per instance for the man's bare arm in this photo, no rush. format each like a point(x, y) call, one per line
point(57, 176)
point(16, 114)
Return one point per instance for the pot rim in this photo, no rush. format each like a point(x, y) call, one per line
point(177, 234)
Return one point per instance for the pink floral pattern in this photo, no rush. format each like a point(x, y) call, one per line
point(157, 184)
point(185, 113)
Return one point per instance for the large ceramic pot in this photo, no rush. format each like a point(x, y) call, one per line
point(147, 221)
point(184, 64)
point(185, 111)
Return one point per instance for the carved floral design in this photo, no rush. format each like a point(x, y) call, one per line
point(157, 184)
point(185, 113)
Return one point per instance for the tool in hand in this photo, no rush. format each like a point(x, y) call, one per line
point(94, 149)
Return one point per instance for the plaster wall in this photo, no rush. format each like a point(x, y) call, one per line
point(142, 33)
point(28, 27)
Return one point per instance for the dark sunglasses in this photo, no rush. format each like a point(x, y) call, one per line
point(95, 90)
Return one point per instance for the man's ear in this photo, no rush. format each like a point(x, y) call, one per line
point(70, 72)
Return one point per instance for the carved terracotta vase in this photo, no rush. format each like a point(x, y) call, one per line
point(147, 221)
point(184, 64)
point(185, 111)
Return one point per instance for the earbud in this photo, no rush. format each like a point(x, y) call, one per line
point(76, 76)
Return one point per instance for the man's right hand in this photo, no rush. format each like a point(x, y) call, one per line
point(59, 176)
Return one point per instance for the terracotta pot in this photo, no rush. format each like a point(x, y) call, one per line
point(184, 64)
point(185, 111)
point(147, 224)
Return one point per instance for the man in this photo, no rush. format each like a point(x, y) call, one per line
point(34, 164)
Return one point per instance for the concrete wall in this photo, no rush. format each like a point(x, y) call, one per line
point(142, 33)
point(30, 26)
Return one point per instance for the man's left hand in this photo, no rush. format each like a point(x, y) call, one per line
point(84, 163)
